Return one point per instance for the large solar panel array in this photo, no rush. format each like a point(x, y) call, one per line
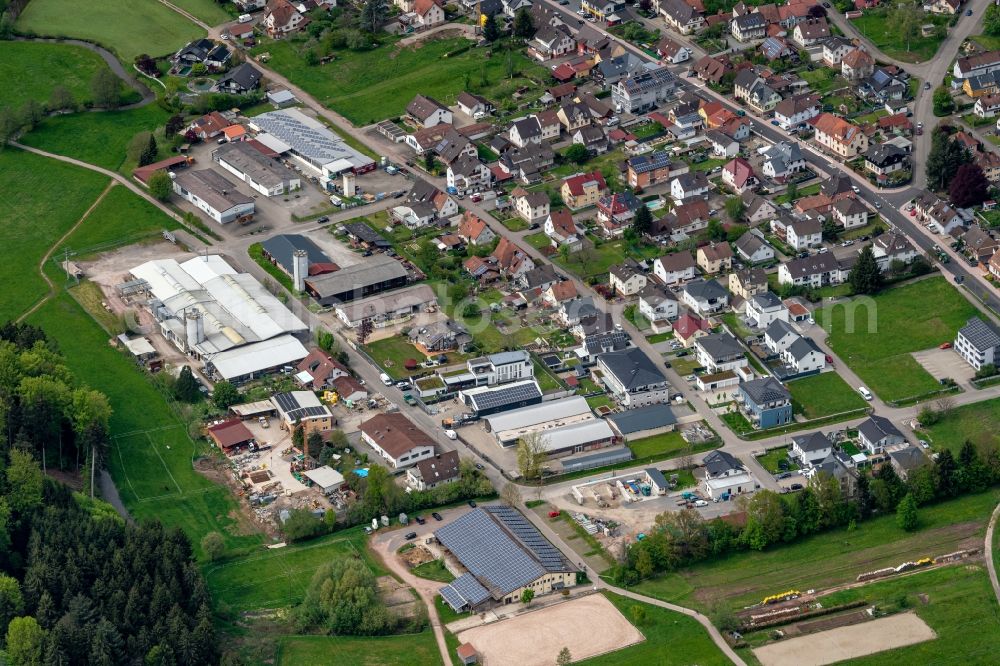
point(453, 598)
point(549, 556)
point(469, 589)
point(489, 553)
point(505, 396)
point(290, 406)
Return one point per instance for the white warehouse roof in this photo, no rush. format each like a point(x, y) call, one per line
point(236, 309)
point(325, 477)
point(310, 139)
point(567, 437)
point(546, 416)
point(256, 358)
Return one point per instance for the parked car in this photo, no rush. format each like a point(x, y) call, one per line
point(700, 503)
point(944, 345)
point(865, 393)
point(420, 520)
point(472, 503)
point(437, 516)
point(968, 12)
point(479, 466)
point(411, 535)
point(323, 219)
point(796, 486)
point(451, 434)
point(829, 359)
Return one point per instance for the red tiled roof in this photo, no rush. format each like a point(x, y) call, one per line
point(230, 433)
point(576, 183)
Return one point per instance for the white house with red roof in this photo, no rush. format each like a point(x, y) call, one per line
point(427, 13)
point(689, 328)
point(615, 212)
point(282, 18)
point(738, 175)
point(563, 230)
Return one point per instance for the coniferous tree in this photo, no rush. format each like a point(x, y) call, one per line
point(866, 276)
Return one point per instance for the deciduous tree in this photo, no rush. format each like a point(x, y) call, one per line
point(24, 642)
point(105, 89)
point(968, 187)
point(530, 455)
point(61, 99)
point(577, 153)
point(527, 595)
point(373, 15)
point(524, 25)
point(735, 208)
point(213, 546)
point(906, 514)
point(160, 185)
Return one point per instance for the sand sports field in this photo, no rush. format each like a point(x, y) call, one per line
point(535, 639)
point(858, 640)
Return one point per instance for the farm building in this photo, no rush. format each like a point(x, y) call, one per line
point(261, 173)
point(374, 276)
point(281, 249)
point(326, 478)
point(643, 422)
point(310, 143)
point(215, 195)
point(225, 318)
point(504, 555)
point(230, 435)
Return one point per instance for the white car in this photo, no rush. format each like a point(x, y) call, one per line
point(700, 503)
point(451, 434)
point(865, 393)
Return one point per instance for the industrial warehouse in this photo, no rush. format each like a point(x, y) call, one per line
point(260, 172)
point(213, 313)
point(566, 426)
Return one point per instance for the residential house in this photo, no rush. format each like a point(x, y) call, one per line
point(319, 369)
point(529, 163)
point(683, 221)
point(711, 69)
point(539, 279)
point(976, 65)
point(804, 234)
point(907, 460)
point(573, 116)
point(209, 125)
point(633, 379)
point(982, 84)
point(978, 245)
point(511, 260)
point(834, 50)
point(776, 48)
point(650, 168)
point(643, 90)
point(474, 106)
point(718, 352)
point(782, 160)
point(891, 247)
point(469, 174)
point(796, 112)
point(748, 27)
point(433, 472)
point(857, 65)
point(474, 231)
point(751, 88)
point(689, 185)
point(593, 138)
point(726, 476)
point(715, 257)
point(779, 336)
point(610, 71)
point(937, 214)
point(757, 209)
point(525, 131)
point(562, 230)
point(738, 175)
point(438, 337)
point(803, 356)
point(811, 449)
point(627, 279)
point(560, 292)
point(688, 328)
point(240, 80)
point(722, 144)
point(978, 343)
point(548, 122)
point(943, 6)
point(680, 16)
point(672, 52)
point(551, 42)
point(878, 433)
point(885, 158)
point(583, 189)
point(883, 85)
point(819, 270)
point(993, 265)
point(658, 305)
point(615, 212)
point(531, 207)
point(764, 308)
point(427, 13)
point(675, 268)
point(395, 438)
point(705, 296)
point(282, 18)
point(810, 31)
point(839, 136)
point(428, 112)
point(747, 282)
point(849, 213)
point(765, 402)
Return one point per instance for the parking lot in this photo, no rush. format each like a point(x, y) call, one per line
point(945, 363)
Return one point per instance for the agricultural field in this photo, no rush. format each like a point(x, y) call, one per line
point(278, 578)
point(99, 138)
point(38, 68)
point(369, 86)
point(827, 559)
point(210, 11)
point(127, 27)
point(42, 199)
point(152, 458)
point(878, 345)
point(823, 395)
point(121, 218)
point(406, 650)
point(978, 423)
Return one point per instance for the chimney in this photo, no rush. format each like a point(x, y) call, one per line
point(195, 328)
point(300, 269)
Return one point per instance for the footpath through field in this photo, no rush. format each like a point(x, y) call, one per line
point(988, 553)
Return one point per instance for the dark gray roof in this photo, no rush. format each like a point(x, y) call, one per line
point(295, 411)
point(527, 127)
point(705, 289)
point(908, 458)
point(813, 264)
point(720, 345)
point(375, 270)
point(980, 334)
point(510, 394)
point(720, 462)
point(536, 277)
point(877, 427)
point(815, 441)
point(765, 389)
point(778, 329)
point(243, 76)
point(749, 243)
point(601, 343)
point(501, 549)
point(644, 418)
point(766, 299)
point(632, 368)
point(656, 476)
point(363, 232)
point(803, 347)
point(281, 247)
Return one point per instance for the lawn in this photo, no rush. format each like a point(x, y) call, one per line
point(877, 344)
point(368, 86)
point(659, 337)
point(538, 241)
point(256, 252)
point(392, 354)
point(121, 218)
point(151, 457)
point(806, 191)
point(737, 327)
point(42, 198)
point(771, 460)
point(671, 638)
point(278, 578)
point(878, 26)
point(978, 423)
point(823, 79)
point(988, 42)
point(546, 380)
point(211, 12)
point(39, 68)
point(827, 559)
point(406, 650)
point(597, 260)
point(433, 570)
point(98, 138)
point(664, 445)
point(823, 395)
point(127, 27)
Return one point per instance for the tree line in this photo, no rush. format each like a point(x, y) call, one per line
point(679, 539)
point(78, 585)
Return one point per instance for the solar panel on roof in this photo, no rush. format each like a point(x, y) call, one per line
point(453, 598)
point(469, 589)
point(505, 396)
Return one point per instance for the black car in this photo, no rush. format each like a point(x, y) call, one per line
point(437, 516)
point(420, 520)
point(479, 466)
point(666, 364)
point(323, 220)
point(796, 486)
point(472, 503)
point(411, 535)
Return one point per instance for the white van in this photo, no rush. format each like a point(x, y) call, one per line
point(245, 18)
point(386, 379)
point(865, 393)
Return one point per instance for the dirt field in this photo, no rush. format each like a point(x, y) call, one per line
point(534, 639)
point(827, 647)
